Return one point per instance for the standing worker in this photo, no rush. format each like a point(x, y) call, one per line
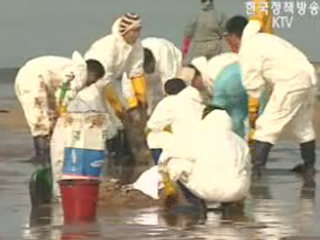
point(205, 33)
point(292, 77)
point(121, 54)
point(162, 61)
point(37, 85)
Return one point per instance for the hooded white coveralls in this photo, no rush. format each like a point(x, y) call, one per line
point(38, 85)
point(210, 69)
point(168, 64)
point(293, 82)
point(118, 58)
point(180, 113)
point(213, 162)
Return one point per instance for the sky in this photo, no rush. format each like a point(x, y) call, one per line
point(31, 28)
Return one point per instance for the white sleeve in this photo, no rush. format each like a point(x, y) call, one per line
point(251, 61)
point(169, 62)
point(166, 68)
point(162, 116)
point(136, 62)
point(106, 59)
point(253, 27)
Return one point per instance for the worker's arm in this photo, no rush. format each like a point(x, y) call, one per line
point(105, 84)
point(114, 100)
point(137, 76)
point(168, 63)
point(106, 58)
point(162, 116)
point(253, 110)
point(251, 60)
point(187, 37)
point(223, 18)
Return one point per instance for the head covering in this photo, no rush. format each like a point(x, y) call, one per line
point(129, 21)
point(76, 72)
point(187, 74)
point(201, 63)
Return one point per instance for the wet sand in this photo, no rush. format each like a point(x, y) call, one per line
point(280, 205)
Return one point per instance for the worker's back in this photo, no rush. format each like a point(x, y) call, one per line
point(208, 26)
point(222, 166)
point(278, 61)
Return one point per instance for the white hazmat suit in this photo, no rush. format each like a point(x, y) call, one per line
point(292, 79)
point(293, 82)
point(118, 58)
point(38, 85)
point(179, 112)
point(168, 61)
point(213, 162)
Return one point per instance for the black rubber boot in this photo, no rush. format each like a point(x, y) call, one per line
point(40, 185)
point(308, 154)
point(196, 202)
point(42, 147)
point(260, 156)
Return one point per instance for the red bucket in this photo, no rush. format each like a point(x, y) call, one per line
point(79, 200)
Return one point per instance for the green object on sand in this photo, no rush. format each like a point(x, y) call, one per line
point(40, 186)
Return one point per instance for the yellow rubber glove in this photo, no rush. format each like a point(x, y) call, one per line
point(263, 17)
point(253, 105)
point(114, 101)
point(140, 88)
point(170, 198)
point(168, 129)
point(62, 109)
point(253, 115)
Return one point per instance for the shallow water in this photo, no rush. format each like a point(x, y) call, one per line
point(280, 205)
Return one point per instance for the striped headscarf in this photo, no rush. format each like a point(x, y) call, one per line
point(129, 21)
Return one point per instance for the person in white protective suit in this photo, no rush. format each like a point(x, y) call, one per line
point(156, 138)
point(162, 61)
point(268, 59)
point(212, 163)
point(121, 54)
point(179, 111)
point(90, 105)
point(37, 86)
point(174, 115)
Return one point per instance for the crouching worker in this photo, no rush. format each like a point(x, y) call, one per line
point(82, 132)
point(175, 115)
point(159, 124)
point(36, 87)
point(212, 165)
